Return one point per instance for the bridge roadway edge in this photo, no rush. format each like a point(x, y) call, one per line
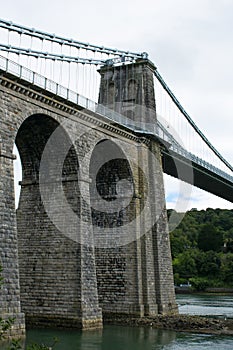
point(201, 177)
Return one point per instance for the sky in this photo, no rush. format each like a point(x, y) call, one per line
point(190, 42)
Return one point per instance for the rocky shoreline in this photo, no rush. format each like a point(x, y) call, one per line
point(180, 323)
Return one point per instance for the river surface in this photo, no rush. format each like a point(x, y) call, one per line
point(133, 338)
point(206, 305)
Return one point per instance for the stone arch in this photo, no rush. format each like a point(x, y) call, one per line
point(49, 262)
point(112, 180)
point(31, 139)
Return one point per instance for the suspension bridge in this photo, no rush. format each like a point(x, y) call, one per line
point(69, 69)
point(95, 128)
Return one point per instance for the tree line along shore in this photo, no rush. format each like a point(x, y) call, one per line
point(202, 249)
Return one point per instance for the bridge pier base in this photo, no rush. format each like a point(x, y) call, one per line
point(62, 291)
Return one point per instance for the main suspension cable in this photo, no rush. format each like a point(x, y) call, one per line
point(191, 122)
point(71, 42)
point(47, 55)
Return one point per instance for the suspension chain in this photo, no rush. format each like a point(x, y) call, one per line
point(64, 41)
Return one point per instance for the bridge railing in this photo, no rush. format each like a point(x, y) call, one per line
point(174, 118)
point(157, 130)
point(177, 148)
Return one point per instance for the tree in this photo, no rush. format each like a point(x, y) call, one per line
point(208, 264)
point(210, 238)
point(228, 240)
point(184, 264)
point(227, 268)
point(202, 247)
point(179, 242)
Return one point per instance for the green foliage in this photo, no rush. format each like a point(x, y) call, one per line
point(210, 238)
point(227, 268)
point(202, 248)
point(15, 345)
point(37, 347)
point(180, 242)
point(5, 325)
point(42, 346)
point(184, 264)
point(200, 283)
point(208, 263)
point(228, 240)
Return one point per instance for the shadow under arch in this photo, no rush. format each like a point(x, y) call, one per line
point(49, 262)
point(112, 185)
point(113, 204)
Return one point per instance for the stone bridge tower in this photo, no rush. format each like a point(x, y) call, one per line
point(128, 89)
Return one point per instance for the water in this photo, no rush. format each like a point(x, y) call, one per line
point(139, 338)
point(206, 305)
point(131, 338)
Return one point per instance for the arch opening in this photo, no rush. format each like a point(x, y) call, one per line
point(113, 207)
point(49, 263)
point(112, 186)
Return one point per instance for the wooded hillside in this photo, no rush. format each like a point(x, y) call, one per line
point(202, 248)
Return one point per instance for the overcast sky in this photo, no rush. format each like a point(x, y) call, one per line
point(191, 43)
